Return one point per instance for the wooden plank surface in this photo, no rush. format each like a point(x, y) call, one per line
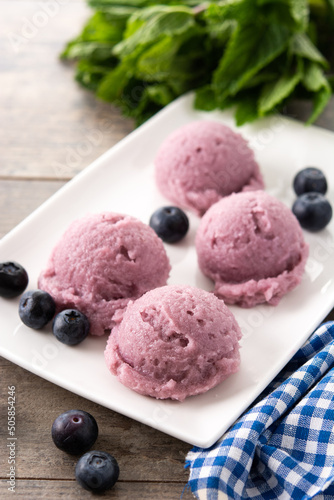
point(51, 490)
point(18, 198)
point(50, 129)
point(160, 455)
point(54, 128)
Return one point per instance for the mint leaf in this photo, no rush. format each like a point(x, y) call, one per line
point(292, 13)
point(95, 42)
point(160, 94)
point(170, 21)
point(250, 54)
point(155, 63)
point(102, 27)
point(113, 84)
point(140, 17)
point(264, 76)
point(172, 57)
point(330, 4)
point(205, 99)
point(116, 13)
point(320, 101)
point(221, 30)
point(247, 110)
point(94, 50)
point(151, 99)
point(301, 45)
point(300, 12)
point(249, 50)
point(331, 82)
point(274, 93)
point(89, 74)
point(115, 4)
point(314, 78)
point(244, 11)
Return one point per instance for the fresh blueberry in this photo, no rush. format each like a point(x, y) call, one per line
point(313, 211)
point(310, 179)
point(70, 326)
point(97, 471)
point(170, 223)
point(36, 308)
point(13, 279)
point(74, 431)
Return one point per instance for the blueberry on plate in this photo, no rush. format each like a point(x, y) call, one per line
point(74, 431)
point(13, 279)
point(170, 223)
point(310, 179)
point(313, 211)
point(70, 326)
point(97, 471)
point(36, 308)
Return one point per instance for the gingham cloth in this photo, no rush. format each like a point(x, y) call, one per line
point(283, 447)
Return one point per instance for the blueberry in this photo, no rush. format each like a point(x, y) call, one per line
point(70, 326)
point(74, 431)
point(170, 223)
point(36, 308)
point(310, 179)
point(313, 211)
point(97, 471)
point(13, 279)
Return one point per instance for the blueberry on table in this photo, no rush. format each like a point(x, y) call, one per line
point(313, 211)
point(310, 179)
point(70, 326)
point(170, 223)
point(36, 308)
point(74, 431)
point(97, 471)
point(13, 279)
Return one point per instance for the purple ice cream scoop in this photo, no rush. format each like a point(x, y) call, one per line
point(252, 247)
point(100, 263)
point(173, 342)
point(200, 163)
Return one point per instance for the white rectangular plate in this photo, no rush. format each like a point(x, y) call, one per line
point(122, 181)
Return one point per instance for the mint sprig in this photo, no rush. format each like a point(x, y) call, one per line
point(254, 55)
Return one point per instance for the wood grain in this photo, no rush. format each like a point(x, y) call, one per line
point(144, 454)
point(151, 463)
point(51, 490)
point(53, 128)
point(19, 198)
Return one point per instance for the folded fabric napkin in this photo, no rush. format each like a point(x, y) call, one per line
point(283, 446)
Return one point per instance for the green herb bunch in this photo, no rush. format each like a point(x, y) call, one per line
point(253, 55)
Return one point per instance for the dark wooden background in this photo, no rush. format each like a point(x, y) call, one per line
point(50, 129)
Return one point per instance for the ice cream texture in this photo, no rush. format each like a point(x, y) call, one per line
point(173, 342)
point(100, 263)
point(252, 247)
point(202, 162)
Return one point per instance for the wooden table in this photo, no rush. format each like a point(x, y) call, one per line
point(50, 129)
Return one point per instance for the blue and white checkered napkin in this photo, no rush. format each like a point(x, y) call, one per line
point(283, 447)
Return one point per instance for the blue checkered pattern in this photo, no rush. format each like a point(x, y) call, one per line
point(283, 447)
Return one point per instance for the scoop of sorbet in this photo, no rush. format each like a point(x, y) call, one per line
point(251, 245)
point(202, 162)
point(100, 263)
point(174, 342)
